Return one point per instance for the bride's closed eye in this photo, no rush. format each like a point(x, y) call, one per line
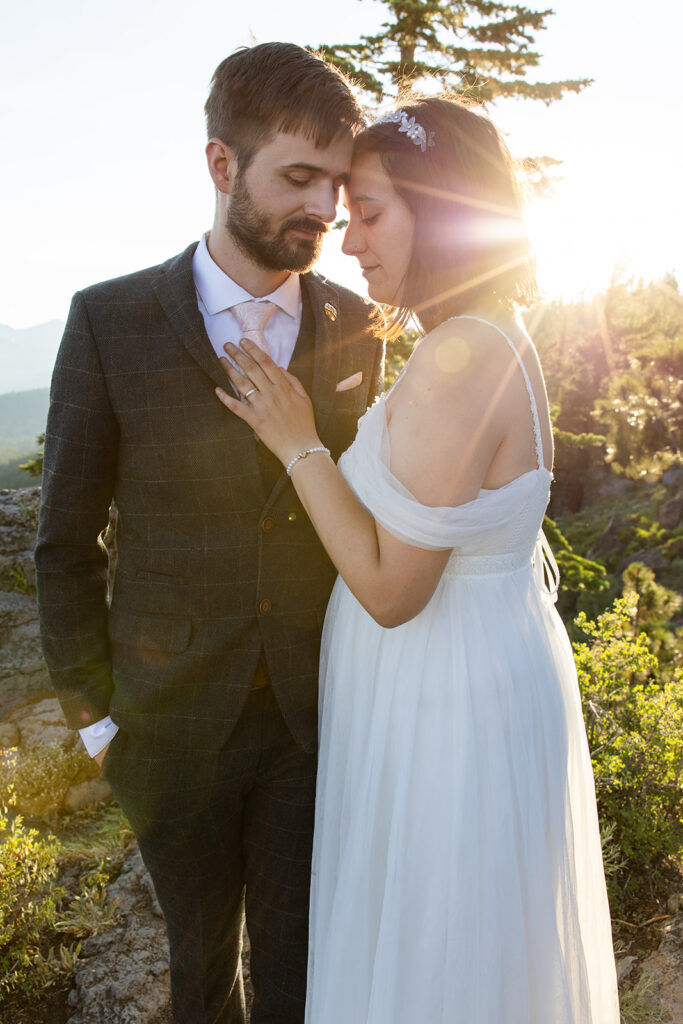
point(369, 220)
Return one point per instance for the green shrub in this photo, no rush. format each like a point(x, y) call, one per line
point(28, 902)
point(576, 572)
point(36, 912)
point(34, 466)
point(41, 777)
point(634, 722)
point(656, 607)
point(14, 578)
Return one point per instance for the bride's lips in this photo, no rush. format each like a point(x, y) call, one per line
point(368, 270)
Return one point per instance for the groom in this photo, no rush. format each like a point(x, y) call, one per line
point(196, 685)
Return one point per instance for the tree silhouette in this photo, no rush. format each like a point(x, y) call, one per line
point(478, 47)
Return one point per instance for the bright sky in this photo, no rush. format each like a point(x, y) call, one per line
point(102, 134)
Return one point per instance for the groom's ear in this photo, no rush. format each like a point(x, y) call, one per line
point(222, 164)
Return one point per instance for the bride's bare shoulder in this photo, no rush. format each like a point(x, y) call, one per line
point(464, 350)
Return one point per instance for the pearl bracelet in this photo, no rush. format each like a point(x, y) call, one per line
point(303, 454)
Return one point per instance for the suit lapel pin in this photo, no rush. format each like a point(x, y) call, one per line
point(331, 311)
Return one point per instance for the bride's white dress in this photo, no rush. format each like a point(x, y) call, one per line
point(457, 870)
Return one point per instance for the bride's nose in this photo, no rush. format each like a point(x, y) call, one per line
point(353, 242)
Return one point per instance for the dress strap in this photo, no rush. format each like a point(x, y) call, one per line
point(532, 398)
point(546, 572)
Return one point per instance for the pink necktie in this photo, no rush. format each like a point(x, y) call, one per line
point(252, 317)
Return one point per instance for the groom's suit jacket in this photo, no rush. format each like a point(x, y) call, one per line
point(218, 564)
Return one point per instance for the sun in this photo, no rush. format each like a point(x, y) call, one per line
point(578, 242)
point(594, 228)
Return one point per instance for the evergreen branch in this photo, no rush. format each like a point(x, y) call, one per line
point(547, 92)
point(458, 45)
point(367, 81)
point(505, 32)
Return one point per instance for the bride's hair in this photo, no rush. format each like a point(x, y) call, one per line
point(470, 247)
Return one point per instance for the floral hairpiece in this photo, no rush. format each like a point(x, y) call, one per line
point(410, 126)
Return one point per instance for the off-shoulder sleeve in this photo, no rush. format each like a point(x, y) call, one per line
point(435, 528)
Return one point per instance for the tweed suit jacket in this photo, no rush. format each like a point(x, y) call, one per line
point(211, 570)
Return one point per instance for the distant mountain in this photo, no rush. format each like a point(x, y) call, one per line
point(27, 356)
point(23, 416)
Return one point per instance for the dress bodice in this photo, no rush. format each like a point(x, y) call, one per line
point(498, 531)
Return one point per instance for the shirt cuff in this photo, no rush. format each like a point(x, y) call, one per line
point(96, 737)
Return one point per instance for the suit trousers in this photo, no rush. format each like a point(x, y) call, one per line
point(223, 833)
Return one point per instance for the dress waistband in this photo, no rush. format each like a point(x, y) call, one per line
point(540, 561)
point(487, 565)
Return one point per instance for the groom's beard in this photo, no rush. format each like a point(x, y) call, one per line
point(271, 249)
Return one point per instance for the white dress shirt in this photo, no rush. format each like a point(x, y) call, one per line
point(216, 294)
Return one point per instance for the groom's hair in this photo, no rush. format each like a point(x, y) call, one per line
point(272, 87)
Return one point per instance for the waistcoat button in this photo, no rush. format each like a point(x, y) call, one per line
point(267, 524)
point(265, 606)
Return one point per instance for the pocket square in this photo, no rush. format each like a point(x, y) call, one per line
point(350, 382)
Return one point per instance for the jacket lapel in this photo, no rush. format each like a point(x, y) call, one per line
point(324, 301)
point(175, 290)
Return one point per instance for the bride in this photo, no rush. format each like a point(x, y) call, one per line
point(457, 872)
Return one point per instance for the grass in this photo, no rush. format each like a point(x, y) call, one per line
point(640, 1005)
point(89, 847)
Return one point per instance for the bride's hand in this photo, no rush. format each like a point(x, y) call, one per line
point(272, 401)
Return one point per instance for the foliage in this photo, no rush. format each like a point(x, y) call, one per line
point(41, 923)
point(96, 837)
point(614, 368)
point(40, 777)
point(11, 476)
point(398, 354)
point(641, 1005)
point(655, 608)
point(93, 843)
point(634, 723)
point(90, 911)
point(13, 577)
point(576, 572)
point(34, 466)
point(28, 903)
point(479, 47)
point(577, 457)
point(643, 408)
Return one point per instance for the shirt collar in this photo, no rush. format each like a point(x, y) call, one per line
point(218, 291)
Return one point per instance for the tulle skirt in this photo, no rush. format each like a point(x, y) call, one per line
point(457, 869)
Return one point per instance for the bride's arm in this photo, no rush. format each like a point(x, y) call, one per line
point(391, 579)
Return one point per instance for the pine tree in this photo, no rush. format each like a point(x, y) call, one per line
point(478, 47)
point(34, 466)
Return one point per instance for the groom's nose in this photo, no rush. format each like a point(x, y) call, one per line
point(322, 202)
